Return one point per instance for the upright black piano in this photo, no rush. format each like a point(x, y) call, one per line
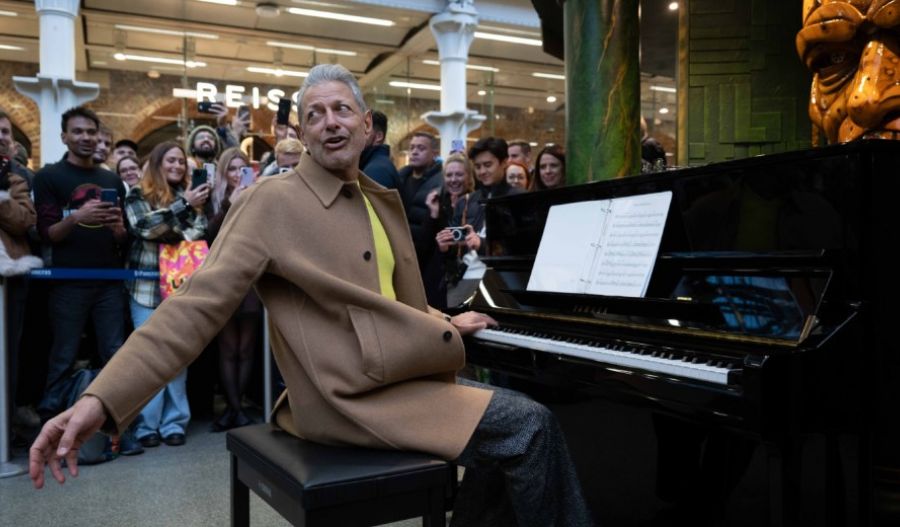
point(756, 382)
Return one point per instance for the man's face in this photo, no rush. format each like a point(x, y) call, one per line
point(853, 50)
point(104, 145)
point(421, 156)
point(488, 169)
point(334, 128)
point(517, 154)
point(204, 144)
point(80, 137)
point(6, 135)
point(122, 151)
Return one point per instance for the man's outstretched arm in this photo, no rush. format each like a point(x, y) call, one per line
point(61, 437)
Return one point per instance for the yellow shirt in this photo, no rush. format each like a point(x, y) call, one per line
point(384, 256)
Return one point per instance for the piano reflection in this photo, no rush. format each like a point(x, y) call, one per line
point(755, 382)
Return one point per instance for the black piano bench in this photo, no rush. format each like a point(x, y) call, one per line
point(315, 485)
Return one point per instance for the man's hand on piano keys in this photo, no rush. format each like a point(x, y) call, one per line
point(471, 321)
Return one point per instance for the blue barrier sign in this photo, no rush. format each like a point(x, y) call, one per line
point(67, 273)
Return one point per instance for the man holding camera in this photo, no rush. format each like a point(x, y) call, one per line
point(81, 225)
point(365, 360)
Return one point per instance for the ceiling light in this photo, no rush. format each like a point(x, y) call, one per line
point(554, 76)
point(551, 98)
point(8, 13)
point(533, 143)
point(184, 93)
point(468, 66)
point(663, 89)
point(267, 10)
point(153, 74)
point(482, 93)
point(160, 60)
point(510, 39)
point(663, 110)
point(173, 32)
point(276, 44)
point(336, 52)
point(340, 16)
point(383, 101)
point(278, 72)
point(673, 6)
point(305, 47)
point(220, 2)
point(416, 85)
point(7, 47)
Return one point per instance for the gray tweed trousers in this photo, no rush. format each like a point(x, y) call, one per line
point(518, 470)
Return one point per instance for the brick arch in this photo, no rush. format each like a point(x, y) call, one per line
point(24, 114)
point(146, 121)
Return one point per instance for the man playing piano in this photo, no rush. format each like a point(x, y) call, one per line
point(365, 360)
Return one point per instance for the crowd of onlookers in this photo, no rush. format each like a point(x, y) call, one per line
point(104, 206)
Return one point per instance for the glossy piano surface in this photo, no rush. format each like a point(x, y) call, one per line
point(775, 275)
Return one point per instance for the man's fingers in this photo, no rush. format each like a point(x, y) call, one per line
point(36, 462)
point(56, 470)
point(72, 462)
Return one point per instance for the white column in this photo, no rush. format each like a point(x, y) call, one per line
point(453, 31)
point(55, 89)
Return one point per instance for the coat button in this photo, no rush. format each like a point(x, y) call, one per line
point(367, 255)
point(347, 192)
point(447, 336)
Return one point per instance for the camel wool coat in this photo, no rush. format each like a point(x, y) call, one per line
point(360, 369)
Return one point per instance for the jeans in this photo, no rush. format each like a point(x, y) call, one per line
point(518, 470)
point(168, 412)
point(69, 306)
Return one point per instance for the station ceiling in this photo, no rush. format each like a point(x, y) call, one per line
point(271, 43)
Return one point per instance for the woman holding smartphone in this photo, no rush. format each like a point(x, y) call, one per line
point(162, 208)
point(239, 337)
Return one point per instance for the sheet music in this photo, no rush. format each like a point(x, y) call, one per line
point(634, 230)
point(605, 247)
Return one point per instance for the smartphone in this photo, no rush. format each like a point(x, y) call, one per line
point(205, 106)
point(284, 111)
point(198, 177)
point(247, 176)
point(243, 112)
point(109, 195)
point(210, 173)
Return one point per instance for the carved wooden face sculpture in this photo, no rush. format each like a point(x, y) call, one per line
point(853, 50)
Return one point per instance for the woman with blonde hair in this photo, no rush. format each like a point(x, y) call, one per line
point(162, 209)
point(442, 269)
point(239, 337)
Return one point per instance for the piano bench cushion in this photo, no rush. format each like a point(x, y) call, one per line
point(320, 476)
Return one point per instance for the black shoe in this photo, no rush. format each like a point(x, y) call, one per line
point(129, 446)
point(224, 422)
point(149, 441)
point(241, 419)
point(174, 439)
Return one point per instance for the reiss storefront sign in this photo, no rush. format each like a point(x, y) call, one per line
point(236, 95)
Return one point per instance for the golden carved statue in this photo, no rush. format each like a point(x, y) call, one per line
point(853, 50)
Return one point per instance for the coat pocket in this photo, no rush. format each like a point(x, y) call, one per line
point(369, 344)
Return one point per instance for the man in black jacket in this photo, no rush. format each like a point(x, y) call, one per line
point(417, 180)
point(376, 157)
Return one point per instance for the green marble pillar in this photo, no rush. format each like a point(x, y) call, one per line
point(602, 89)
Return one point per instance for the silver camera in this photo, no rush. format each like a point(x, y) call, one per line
point(458, 233)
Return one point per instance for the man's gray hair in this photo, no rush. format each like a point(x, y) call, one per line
point(330, 73)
